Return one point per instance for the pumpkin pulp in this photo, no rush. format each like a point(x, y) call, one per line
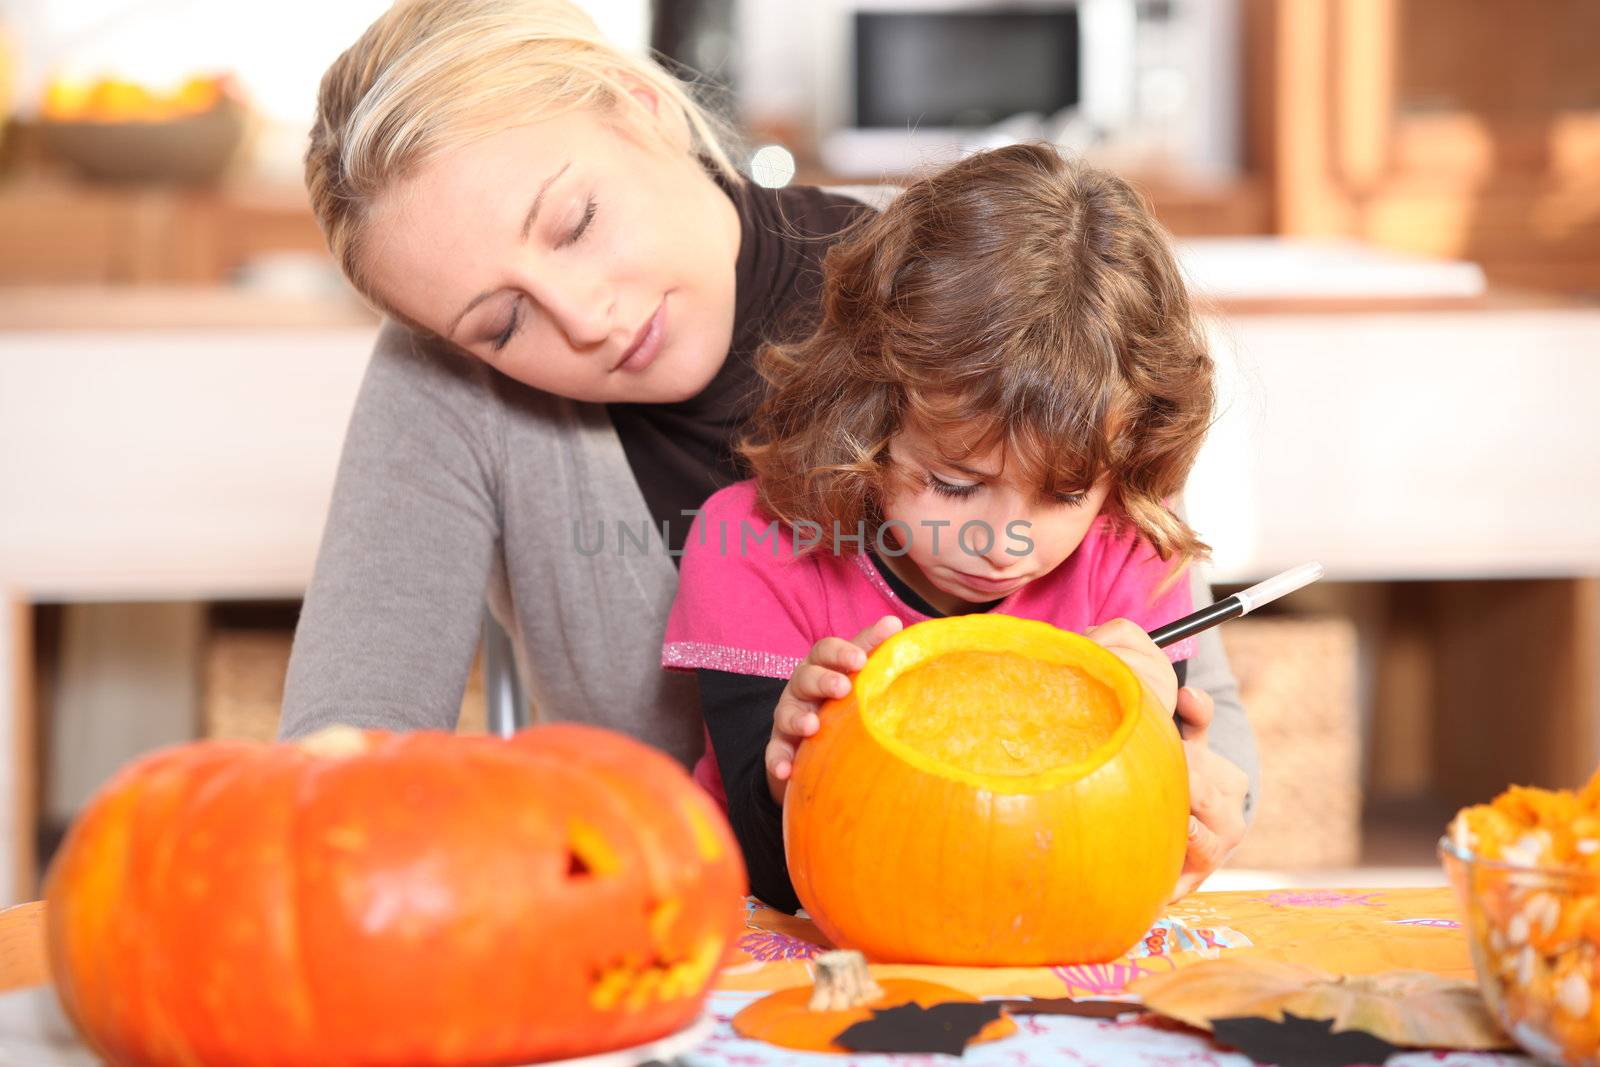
point(954, 712)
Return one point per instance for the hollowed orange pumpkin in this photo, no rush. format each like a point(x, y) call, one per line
point(993, 791)
point(366, 898)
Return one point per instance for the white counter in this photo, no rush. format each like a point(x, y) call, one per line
point(1445, 444)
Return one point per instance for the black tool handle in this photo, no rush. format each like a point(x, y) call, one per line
point(1204, 619)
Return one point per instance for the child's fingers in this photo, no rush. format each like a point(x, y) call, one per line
point(838, 654)
point(822, 677)
point(795, 719)
point(780, 765)
point(877, 634)
point(1195, 708)
point(816, 683)
point(1128, 642)
point(1122, 634)
point(780, 758)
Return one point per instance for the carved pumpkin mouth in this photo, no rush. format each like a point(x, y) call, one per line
point(636, 983)
point(1008, 708)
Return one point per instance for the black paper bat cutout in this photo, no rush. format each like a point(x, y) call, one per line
point(942, 1028)
point(1297, 1042)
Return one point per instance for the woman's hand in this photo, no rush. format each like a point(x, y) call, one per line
point(1217, 789)
point(823, 676)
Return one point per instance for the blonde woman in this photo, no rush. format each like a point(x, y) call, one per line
point(576, 281)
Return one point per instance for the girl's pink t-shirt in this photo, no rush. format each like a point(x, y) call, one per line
point(748, 603)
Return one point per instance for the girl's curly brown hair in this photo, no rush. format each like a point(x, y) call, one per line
point(1015, 298)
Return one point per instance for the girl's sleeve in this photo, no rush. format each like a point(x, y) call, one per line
point(1141, 586)
point(738, 713)
point(745, 603)
point(740, 621)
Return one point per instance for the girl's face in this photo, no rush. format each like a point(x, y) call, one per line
point(568, 254)
point(993, 558)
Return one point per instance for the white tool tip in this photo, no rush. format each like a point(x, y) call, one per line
point(1279, 585)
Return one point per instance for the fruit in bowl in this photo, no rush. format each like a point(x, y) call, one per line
point(119, 130)
point(1526, 869)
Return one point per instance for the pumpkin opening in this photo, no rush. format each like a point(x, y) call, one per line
point(1000, 703)
point(998, 713)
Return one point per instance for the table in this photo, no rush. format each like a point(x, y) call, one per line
point(1350, 931)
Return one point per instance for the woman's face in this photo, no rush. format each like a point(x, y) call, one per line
point(975, 534)
point(570, 255)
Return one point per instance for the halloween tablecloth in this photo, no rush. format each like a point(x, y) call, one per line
point(1341, 931)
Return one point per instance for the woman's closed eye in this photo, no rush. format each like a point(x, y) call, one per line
point(576, 233)
point(514, 323)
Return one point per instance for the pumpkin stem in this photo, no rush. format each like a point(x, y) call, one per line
point(843, 982)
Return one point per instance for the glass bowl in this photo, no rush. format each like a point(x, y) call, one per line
point(1535, 939)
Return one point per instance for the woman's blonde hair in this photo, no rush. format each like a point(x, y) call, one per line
point(1016, 299)
point(432, 75)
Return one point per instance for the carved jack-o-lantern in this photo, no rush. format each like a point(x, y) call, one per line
point(366, 898)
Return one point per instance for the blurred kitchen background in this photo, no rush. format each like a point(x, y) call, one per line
point(1391, 208)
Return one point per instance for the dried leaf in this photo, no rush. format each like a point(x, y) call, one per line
point(1411, 1009)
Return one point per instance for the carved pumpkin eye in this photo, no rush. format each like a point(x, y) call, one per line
point(588, 852)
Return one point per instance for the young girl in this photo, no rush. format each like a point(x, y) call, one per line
point(1006, 387)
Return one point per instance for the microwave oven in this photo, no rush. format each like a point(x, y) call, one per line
point(887, 86)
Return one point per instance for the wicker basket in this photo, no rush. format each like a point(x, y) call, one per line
point(242, 688)
point(1297, 679)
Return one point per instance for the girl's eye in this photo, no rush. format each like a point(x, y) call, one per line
point(511, 327)
point(582, 226)
point(1071, 500)
point(955, 489)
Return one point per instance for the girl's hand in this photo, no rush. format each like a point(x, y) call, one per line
point(823, 676)
point(1217, 787)
point(1128, 641)
point(1217, 790)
